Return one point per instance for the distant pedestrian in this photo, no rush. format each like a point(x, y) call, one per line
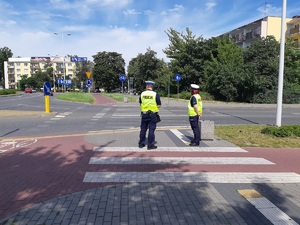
point(194, 113)
point(150, 104)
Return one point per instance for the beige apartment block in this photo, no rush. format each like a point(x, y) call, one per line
point(245, 35)
point(293, 30)
point(15, 68)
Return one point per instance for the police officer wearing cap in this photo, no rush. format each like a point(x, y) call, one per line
point(150, 104)
point(194, 113)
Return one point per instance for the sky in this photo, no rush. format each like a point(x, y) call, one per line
point(128, 27)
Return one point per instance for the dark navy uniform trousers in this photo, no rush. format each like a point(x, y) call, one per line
point(148, 120)
point(194, 122)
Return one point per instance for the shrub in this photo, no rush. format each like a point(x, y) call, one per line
point(8, 92)
point(284, 131)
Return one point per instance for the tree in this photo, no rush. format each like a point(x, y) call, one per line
point(5, 53)
point(225, 70)
point(146, 67)
point(187, 54)
point(108, 67)
point(261, 71)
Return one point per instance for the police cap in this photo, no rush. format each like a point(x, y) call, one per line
point(194, 87)
point(149, 82)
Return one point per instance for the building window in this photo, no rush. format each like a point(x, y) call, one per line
point(69, 64)
point(18, 64)
point(18, 70)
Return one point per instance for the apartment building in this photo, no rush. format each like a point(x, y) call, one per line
point(293, 30)
point(245, 35)
point(15, 68)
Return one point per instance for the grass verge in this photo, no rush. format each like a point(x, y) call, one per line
point(77, 97)
point(120, 97)
point(252, 136)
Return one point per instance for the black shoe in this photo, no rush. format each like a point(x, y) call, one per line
point(142, 145)
point(151, 147)
point(194, 144)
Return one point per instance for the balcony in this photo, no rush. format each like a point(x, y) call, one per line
point(294, 30)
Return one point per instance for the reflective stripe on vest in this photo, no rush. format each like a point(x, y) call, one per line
point(191, 110)
point(148, 99)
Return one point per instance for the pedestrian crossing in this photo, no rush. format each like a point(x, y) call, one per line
point(176, 166)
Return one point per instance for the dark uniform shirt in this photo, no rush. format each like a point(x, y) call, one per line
point(193, 101)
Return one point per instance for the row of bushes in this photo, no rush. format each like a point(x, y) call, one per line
point(283, 131)
point(186, 95)
point(8, 92)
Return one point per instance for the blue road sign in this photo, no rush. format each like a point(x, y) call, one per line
point(78, 59)
point(74, 59)
point(122, 78)
point(68, 83)
point(47, 88)
point(88, 82)
point(60, 81)
point(177, 77)
point(82, 59)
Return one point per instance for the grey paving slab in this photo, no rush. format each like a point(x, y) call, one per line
point(156, 203)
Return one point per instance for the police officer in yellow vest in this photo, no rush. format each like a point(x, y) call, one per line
point(195, 112)
point(150, 104)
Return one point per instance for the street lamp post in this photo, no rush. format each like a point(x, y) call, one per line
point(64, 64)
point(53, 77)
point(281, 65)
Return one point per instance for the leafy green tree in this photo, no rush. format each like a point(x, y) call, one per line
point(188, 54)
point(261, 70)
point(291, 63)
point(38, 79)
point(225, 70)
point(107, 69)
point(145, 67)
point(5, 53)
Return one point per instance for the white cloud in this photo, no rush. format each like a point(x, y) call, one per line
point(269, 10)
point(131, 12)
point(210, 5)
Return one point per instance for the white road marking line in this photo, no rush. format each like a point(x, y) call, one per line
point(181, 136)
point(200, 177)
point(181, 160)
point(169, 149)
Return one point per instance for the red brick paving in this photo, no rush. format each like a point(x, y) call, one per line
point(103, 100)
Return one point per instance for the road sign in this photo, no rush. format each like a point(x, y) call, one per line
point(88, 74)
point(78, 59)
point(122, 78)
point(60, 81)
point(177, 77)
point(88, 82)
point(74, 59)
point(47, 88)
point(68, 83)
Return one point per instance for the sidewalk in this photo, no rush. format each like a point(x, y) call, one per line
point(153, 201)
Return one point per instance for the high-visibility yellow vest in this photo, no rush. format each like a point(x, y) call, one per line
point(191, 110)
point(148, 99)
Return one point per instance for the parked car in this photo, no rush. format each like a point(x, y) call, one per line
point(97, 90)
point(29, 90)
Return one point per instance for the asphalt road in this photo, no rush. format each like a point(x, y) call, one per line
point(68, 117)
